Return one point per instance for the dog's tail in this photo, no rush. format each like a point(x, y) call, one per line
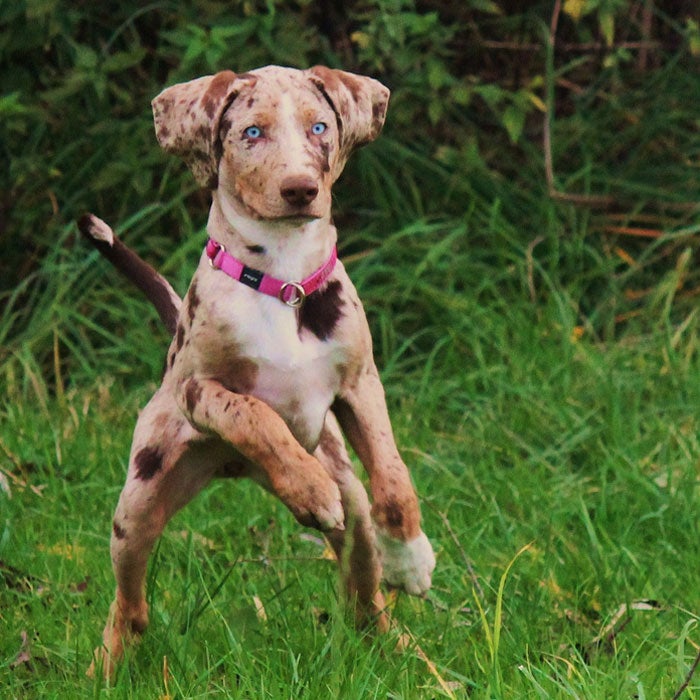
point(156, 288)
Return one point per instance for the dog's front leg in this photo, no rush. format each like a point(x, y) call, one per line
point(407, 557)
point(261, 436)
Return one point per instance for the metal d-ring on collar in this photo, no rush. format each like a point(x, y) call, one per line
point(219, 259)
point(296, 301)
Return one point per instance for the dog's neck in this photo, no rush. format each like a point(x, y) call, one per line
point(285, 248)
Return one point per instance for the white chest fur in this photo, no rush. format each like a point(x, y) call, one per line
point(292, 370)
point(298, 374)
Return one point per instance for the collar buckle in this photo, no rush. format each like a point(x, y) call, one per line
point(297, 299)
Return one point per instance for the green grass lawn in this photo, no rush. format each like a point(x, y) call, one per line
point(557, 466)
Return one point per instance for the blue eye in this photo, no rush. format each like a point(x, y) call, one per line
point(253, 132)
point(318, 128)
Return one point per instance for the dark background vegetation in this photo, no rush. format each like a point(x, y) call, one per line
point(477, 86)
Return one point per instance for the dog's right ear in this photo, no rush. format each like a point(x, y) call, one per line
point(187, 118)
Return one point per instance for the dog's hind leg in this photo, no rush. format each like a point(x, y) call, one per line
point(169, 464)
point(356, 547)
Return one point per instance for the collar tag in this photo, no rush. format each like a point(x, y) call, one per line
point(251, 277)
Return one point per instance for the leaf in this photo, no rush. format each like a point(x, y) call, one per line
point(10, 104)
point(461, 95)
point(513, 120)
point(692, 30)
point(491, 94)
point(607, 27)
point(259, 609)
point(438, 75)
point(435, 111)
point(575, 9)
point(5, 485)
point(362, 40)
point(537, 101)
point(488, 6)
point(123, 59)
point(24, 656)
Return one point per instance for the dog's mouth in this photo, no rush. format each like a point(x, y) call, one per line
point(298, 217)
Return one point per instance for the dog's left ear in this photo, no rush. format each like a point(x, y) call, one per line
point(359, 104)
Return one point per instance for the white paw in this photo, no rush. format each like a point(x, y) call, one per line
point(406, 565)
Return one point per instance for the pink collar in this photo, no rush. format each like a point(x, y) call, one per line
point(291, 293)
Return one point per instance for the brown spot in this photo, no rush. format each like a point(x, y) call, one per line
point(217, 92)
point(393, 514)
point(203, 132)
point(378, 115)
point(239, 375)
point(251, 102)
point(161, 422)
point(148, 462)
point(224, 128)
point(193, 394)
point(325, 158)
point(179, 337)
point(322, 310)
point(256, 249)
point(193, 301)
point(118, 530)
point(198, 155)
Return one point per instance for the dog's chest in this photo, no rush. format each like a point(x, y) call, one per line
point(258, 348)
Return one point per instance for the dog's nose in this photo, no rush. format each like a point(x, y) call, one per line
point(299, 191)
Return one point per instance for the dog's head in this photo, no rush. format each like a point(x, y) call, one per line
point(274, 139)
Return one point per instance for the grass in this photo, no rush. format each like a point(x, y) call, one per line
point(558, 475)
point(543, 376)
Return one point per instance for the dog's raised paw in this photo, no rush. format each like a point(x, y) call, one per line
point(408, 565)
point(323, 517)
point(317, 505)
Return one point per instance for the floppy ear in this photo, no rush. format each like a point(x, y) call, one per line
point(359, 104)
point(187, 118)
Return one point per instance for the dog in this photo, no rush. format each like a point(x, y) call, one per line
point(271, 355)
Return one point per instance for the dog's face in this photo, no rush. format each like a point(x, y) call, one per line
point(273, 141)
point(279, 138)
